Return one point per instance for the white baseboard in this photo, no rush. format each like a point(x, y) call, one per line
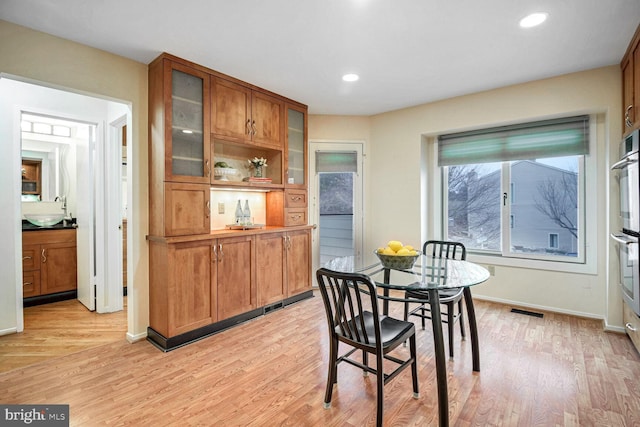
point(8, 331)
point(137, 337)
point(539, 307)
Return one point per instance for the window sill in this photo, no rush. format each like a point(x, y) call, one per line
point(533, 264)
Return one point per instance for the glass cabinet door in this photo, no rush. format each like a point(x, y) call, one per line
point(189, 129)
point(296, 173)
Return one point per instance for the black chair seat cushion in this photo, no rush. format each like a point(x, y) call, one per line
point(390, 329)
point(445, 295)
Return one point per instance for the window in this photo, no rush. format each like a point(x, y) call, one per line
point(544, 161)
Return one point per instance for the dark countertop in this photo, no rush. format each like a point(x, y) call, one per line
point(62, 225)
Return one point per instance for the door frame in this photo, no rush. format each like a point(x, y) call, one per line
point(359, 219)
point(65, 114)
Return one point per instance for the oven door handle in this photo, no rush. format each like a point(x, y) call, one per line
point(621, 164)
point(623, 239)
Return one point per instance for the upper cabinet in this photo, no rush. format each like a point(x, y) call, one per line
point(31, 176)
point(241, 113)
point(296, 147)
point(179, 106)
point(631, 85)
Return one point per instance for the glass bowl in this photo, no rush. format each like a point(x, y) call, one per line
point(398, 262)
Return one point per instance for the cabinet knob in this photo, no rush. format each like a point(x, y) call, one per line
point(248, 126)
point(207, 209)
point(44, 255)
point(26, 258)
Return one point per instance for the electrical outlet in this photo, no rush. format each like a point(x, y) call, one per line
point(221, 208)
point(492, 270)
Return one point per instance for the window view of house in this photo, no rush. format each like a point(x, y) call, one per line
point(542, 201)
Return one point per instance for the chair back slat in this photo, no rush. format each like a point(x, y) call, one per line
point(349, 298)
point(444, 249)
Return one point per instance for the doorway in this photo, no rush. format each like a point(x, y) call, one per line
point(106, 181)
point(336, 195)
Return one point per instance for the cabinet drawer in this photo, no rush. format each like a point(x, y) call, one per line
point(295, 199)
point(632, 324)
point(295, 217)
point(30, 284)
point(31, 257)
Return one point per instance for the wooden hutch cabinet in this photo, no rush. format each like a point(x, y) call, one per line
point(203, 280)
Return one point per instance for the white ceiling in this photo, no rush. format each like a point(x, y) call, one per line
point(407, 52)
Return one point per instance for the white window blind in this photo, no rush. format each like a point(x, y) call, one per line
point(336, 161)
point(536, 140)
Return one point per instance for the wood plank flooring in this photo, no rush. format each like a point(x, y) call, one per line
point(57, 329)
point(554, 371)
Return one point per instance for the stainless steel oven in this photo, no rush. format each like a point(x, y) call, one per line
point(628, 238)
point(629, 269)
point(629, 179)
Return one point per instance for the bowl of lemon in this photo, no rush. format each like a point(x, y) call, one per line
point(397, 256)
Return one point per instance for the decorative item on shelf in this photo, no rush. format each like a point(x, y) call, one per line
point(239, 213)
point(222, 171)
point(258, 165)
point(246, 214)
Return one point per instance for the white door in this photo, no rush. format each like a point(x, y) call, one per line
point(85, 238)
point(109, 219)
point(336, 199)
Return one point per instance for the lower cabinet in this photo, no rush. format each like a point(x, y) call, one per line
point(283, 265)
point(270, 268)
point(298, 262)
point(234, 279)
point(632, 324)
point(180, 297)
point(49, 262)
point(199, 287)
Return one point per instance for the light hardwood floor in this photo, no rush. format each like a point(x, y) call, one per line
point(57, 329)
point(554, 371)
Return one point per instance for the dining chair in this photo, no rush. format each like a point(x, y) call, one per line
point(351, 307)
point(448, 297)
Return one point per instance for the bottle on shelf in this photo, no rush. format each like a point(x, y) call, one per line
point(246, 213)
point(239, 219)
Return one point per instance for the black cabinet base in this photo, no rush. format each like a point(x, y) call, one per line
point(168, 344)
point(49, 298)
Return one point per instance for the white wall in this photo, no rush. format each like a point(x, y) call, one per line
point(40, 57)
point(399, 204)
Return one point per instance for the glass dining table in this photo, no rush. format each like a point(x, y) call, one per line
point(430, 274)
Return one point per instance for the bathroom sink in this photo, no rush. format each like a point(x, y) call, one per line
point(44, 220)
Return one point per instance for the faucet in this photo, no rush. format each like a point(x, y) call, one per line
point(63, 199)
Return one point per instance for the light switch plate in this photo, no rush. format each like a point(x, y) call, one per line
point(220, 208)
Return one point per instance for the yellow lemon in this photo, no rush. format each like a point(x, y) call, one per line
point(413, 252)
point(409, 247)
point(395, 245)
point(403, 251)
point(380, 250)
point(388, 251)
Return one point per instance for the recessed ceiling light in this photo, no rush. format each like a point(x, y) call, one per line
point(533, 20)
point(350, 77)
